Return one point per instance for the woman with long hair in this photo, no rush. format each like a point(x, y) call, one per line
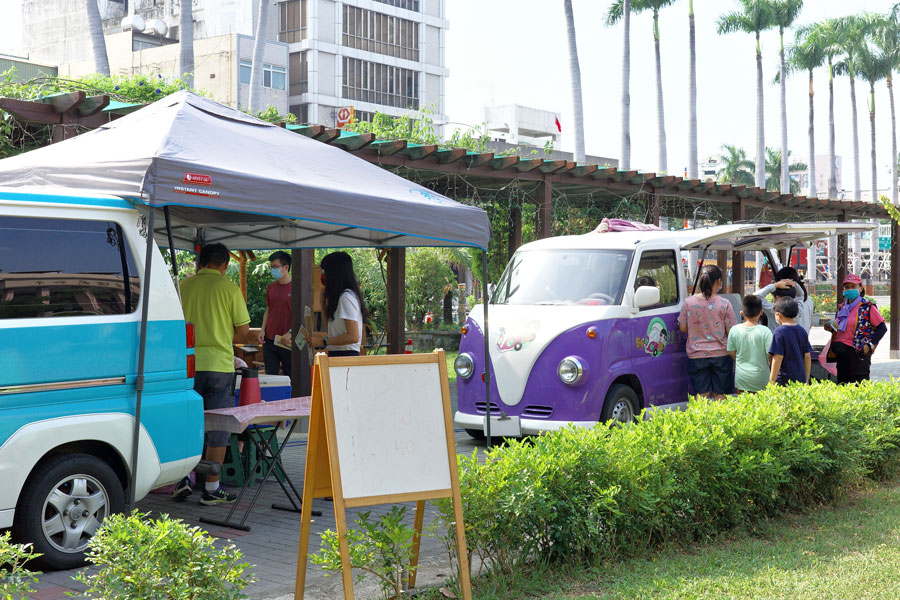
point(789, 283)
point(856, 330)
point(345, 310)
point(706, 318)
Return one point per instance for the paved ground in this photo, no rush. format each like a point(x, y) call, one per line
point(271, 545)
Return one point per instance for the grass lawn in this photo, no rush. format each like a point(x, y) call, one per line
point(451, 373)
point(848, 551)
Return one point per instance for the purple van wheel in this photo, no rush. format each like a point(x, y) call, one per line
point(620, 405)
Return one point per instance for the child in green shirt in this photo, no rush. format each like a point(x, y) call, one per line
point(748, 345)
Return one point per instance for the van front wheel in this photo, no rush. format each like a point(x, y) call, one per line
point(620, 404)
point(62, 506)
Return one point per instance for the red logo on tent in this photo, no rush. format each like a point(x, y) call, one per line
point(197, 179)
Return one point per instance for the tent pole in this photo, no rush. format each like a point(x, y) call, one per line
point(142, 351)
point(487, 351)
point(171, 243)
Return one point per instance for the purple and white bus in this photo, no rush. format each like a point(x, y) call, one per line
point(583, 328)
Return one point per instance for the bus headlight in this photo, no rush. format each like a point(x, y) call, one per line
point(464, 365)
point(570, 370)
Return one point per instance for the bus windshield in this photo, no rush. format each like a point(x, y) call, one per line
point(564, 277)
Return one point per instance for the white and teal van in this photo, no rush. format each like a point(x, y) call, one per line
point(71, 273)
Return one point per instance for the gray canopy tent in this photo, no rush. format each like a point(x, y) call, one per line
point(222, 175)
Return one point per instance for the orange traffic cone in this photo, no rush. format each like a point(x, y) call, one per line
point(409, 347)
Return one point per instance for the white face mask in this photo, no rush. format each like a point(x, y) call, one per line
point(276, 272)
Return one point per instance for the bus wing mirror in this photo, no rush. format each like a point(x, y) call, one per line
point(646, 295)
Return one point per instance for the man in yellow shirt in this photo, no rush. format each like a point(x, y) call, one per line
point(217, 309)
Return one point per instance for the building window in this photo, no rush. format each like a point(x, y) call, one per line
point(65, 268)
point(299, 73)
point(407, 4)
point(362, 115)
point(274, 77)
point(380, 84)
point(292, 21)
point(301, 111)
point(377, 32)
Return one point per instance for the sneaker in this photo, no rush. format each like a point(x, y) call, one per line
point(220, 496)
point(182, 489)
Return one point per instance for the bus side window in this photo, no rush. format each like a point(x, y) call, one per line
point(659, 268)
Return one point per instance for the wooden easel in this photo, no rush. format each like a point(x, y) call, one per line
point(323, 465)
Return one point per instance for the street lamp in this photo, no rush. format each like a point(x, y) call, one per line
point(698, 210)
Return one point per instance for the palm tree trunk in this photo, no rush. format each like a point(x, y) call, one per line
point(894, 190)
point(812, 139)
point(625, 152)
point(832, 156)
point(760, 121)
point(186, 43)
point(98, 42)
point(693, 158)
point(872, 127)
point(575, 73)
point(857, 194)
point(873, 251)
point(785, 154)
point(259, 48)
point(660, 107)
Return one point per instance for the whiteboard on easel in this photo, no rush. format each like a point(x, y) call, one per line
point(390, 429)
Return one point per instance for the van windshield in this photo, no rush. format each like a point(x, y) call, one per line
point(587, 277)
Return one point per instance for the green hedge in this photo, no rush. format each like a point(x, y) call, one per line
point(679, 477)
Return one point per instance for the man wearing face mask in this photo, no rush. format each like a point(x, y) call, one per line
point(277, 318)
point(856, 331)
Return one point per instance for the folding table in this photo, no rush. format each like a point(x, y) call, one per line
point(236, 420)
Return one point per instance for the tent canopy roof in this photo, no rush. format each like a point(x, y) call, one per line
point(227, 176)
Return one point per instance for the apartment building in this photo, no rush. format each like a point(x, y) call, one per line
point(372, 55)
point(321, 55)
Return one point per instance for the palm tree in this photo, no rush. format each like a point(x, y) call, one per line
point(186, 43)
point(625, 153)
point(827, 36)
point(259, 48)
point(887, 36)
point(616, 12)
point(872, 66)
point(736, 167)
point(786, 12)
point(805, 55)
point(575, 73)
point(693, 158)
point(756, 17)
point(98, 42)
point(774, 168)
point(852, 31)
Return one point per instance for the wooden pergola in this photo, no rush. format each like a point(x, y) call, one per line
point(537, 182)
point(540, 179)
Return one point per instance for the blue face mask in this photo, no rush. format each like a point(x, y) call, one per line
point(276, 272)
point(851, 295)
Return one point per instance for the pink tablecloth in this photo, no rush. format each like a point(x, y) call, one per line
point(237, 419)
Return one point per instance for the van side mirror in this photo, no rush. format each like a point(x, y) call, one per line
point(646, 295)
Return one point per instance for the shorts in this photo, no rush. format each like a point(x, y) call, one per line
point(217, 390)
point(714, 374)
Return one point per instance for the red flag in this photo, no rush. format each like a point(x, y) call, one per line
point(558, 126)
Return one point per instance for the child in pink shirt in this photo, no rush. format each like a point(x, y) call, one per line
point(706, 318)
